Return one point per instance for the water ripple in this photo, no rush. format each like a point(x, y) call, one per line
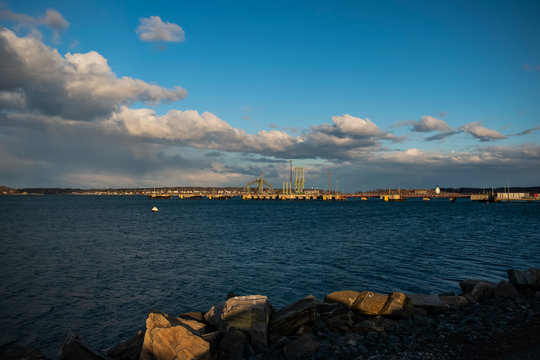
point(98, 264)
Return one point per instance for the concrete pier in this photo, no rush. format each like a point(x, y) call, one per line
point(301, 197)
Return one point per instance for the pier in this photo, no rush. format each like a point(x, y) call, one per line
point(290, 197)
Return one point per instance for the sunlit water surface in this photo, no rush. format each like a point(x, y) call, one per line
point(97, 264)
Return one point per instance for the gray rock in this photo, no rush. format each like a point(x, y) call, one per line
point(430, 303)
point(483, 291)
point(129, 349)
point(422, 320)
point(504, 289)
point(250, 314)
point(287, 320)
point(529, 278)
point(232, 344)
point(467, 285)
point(213, 316)
point(455, 301)
point(301, 347)
point(20, 353)
point(74, 348)
point(213, 339)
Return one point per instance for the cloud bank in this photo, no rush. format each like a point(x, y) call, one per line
point(68, 120)
point(37, 78)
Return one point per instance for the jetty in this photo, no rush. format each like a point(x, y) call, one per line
point(486, 320)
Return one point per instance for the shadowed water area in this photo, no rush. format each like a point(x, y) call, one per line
point(97, 264)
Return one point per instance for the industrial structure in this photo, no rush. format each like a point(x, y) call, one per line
point(260, 185)
point(299, 182)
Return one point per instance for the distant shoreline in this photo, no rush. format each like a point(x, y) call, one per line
point(234, 191)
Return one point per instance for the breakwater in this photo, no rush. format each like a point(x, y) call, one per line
point(485, 321)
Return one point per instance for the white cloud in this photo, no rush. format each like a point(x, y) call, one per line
point(356, 126)
point(527, 132)
point(51, 19)
point(430, 123)
point(20, 19)
point(203, 131)
point(154, 29)
point(54, 20)
point(77, 86)
point(481, 133)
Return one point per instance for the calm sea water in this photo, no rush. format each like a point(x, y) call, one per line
point(97, 264)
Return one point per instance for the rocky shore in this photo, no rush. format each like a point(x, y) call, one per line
point(486, 321)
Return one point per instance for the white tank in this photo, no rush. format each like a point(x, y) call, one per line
point(437, 190)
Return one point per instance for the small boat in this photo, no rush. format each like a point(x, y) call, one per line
point(154, 209)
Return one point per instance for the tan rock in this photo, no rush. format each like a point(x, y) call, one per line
point(346, 297)
point(370, 303)
point(161, 320)
point(398, 305)
point(174, 343)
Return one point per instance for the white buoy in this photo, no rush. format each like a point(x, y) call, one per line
point(154, 209)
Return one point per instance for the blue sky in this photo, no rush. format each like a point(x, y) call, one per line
point(391, 93)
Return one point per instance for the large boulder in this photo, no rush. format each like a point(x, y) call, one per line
point(369, 303)
point(467, 285)
point(250, 314)
point(74, 348)
point(346, 297)
point(158, 319)
point(504, 289)
point(525, 279)
point(398, 305)
point(129, 349)
point(287, 320)
point(483, 291)
point(455, 301)
point(232, 344)
point(170, 338)
point(14, 352)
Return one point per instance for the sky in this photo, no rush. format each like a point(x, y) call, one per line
point(410, 94)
